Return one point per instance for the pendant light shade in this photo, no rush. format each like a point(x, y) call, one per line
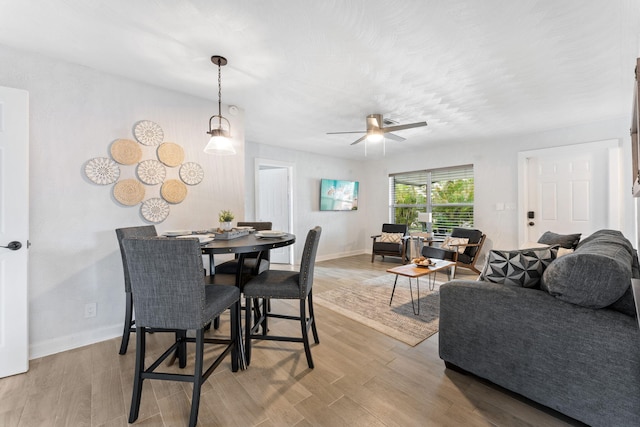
point(219, 127)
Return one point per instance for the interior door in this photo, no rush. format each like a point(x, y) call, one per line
point(274, 205)
point(14, 230)
point(567, 190)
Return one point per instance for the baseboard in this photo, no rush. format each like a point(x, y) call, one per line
point(341, 255)
point(69, 342)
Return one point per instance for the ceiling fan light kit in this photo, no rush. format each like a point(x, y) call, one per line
point(376, 131)
point(220, 142)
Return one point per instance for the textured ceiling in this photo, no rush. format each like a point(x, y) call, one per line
point(299, 69)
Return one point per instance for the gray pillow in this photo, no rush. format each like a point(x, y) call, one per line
point(522, 268)
point(568, 241)
point(588, 279)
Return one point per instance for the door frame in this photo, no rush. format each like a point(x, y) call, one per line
point(614, 152)
point(290, 168)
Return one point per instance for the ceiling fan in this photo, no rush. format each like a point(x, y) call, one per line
point(376, 130)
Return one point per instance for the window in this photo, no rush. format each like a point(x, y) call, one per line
point(444, 195)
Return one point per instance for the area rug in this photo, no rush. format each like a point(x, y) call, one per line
point(367, 302)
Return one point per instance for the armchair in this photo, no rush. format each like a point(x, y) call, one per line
point(391, 242)
point(463, 254)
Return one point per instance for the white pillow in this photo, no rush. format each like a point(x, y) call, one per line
point(450, 244)
point(391, 237)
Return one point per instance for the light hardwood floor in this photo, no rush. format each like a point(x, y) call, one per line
point(362, 378)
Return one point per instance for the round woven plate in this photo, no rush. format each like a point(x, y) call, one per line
point(102, 170)
point(191, 173)
point(170, 154)
point(151, 172)
point(126, 151)
point(129, 192)
point(155, 210)
point(173, 191)
point(148, 133)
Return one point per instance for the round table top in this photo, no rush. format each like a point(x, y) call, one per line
point(249, 243)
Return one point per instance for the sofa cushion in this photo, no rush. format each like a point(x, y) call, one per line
point(518, 267)
point(569, 241)
point(596, 275)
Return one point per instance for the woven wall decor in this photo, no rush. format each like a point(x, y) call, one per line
point(155, 210)
point(191, 173)
point(151, 172)
point(129, 192)
point(102, 170)
point(173, 191)
point(129, 153)
point(148, 133)
point(170, 154)
point(126, 152)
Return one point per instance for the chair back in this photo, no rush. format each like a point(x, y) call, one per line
point(395, 228)
point(308, 262)
point(124, 233)
point(474, 236)
point(167, 282)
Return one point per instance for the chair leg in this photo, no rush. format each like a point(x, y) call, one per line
point(305, 333)
point(235, 335)
point(137, 381)
point(247, 324)
point(265, 323)
point(197, 378)
point(181, 351)
point(128, 322)
point(313, 318)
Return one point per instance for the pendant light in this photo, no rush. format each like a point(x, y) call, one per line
point(220, 142)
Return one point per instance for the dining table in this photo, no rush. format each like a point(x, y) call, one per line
point(240, 246)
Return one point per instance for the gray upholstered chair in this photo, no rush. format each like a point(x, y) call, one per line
point(170, 294)
point(129, 322)
point(279, 284)
point(255, 262)
point(391, 248)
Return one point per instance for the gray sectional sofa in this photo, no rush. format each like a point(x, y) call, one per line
point(561, 331)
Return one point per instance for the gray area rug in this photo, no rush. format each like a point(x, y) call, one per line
point(368, 303)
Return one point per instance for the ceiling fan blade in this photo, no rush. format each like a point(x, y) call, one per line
point(394, 137)
point(359, 140)
point(402, 127)
point(337, 133)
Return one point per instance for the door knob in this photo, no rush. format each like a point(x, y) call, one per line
point(13, 246)
point(531, 223)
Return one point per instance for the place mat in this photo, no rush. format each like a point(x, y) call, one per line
point(129, 192)
point(126, 151)
point(170, 154)
point(155, 210)
point(102, 170)
point(191, 173)
point(367, 302)
point(173, 191)
point(148, 133)
point(151, 172)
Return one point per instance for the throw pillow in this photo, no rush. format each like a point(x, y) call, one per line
point(451, 244)
point(391, 237)
point(522, 268)
point(569, 241)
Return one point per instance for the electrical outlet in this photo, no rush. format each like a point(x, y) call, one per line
point(90, 310)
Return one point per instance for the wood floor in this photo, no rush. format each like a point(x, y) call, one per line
point(362, 378)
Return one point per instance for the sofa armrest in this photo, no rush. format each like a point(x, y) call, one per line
point(559, 354)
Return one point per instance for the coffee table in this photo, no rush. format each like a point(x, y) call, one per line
point(414, 272)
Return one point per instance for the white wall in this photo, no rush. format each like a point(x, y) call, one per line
point(496, 175)
point(75, 114)
point(342, 232)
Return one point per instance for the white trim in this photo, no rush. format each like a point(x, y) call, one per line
point(290, 167)
point(69, 342)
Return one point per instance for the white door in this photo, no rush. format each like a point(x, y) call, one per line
point(569, 190)
point(274, 204)
point(14, 227)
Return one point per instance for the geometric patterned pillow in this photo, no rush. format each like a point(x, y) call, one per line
point(391, 237)
point(451, 244)
point(517, 268)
